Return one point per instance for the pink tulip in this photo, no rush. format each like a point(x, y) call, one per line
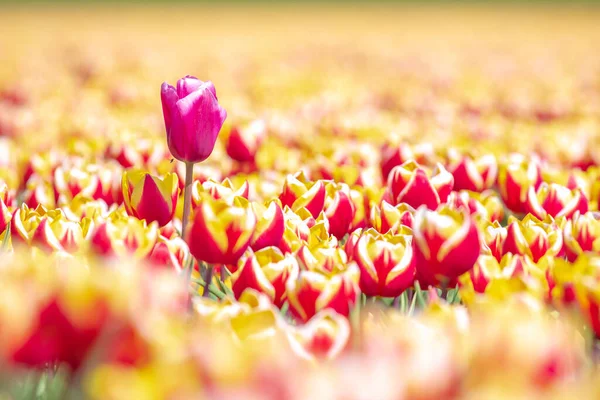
point(193, 118)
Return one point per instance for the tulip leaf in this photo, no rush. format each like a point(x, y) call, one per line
point(413, 302)
point(223, 287)
point(419, 295)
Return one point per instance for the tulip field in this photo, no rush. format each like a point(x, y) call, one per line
point(361, 202)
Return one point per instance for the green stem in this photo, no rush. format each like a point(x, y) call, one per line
point(187, 196)
point(187, 202)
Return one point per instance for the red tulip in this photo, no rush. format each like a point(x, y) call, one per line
point(515, 177)
point(150, 198)
point(473, 175)
point(386, 263)
point(270, 225)
point(340, 212)
point(447, 245)
point(220, 232)
point(533, 238)
point(265, 271)
point(310, 292)
point(410, 183)
point(243, 142)
point(581, 234)
point(556, 201)
point(298, 192)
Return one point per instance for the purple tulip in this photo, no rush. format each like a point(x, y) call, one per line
point(193, 118)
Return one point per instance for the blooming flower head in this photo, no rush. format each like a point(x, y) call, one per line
point(193, 118)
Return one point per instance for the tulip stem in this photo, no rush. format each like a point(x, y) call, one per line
point(208, 274)
point(187, 196)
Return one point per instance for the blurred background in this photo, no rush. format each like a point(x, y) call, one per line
point(384, 63)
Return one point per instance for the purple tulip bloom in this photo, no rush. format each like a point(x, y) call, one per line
point(193, 118)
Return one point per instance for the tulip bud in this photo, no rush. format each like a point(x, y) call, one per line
point(409, 183)
point(193, 118)
point(266, 271)
point(221, 233)
point(69, 182)
point(339, 211)
point(360, 203)
point(224, 190)
point(478, 278)
point(38, 192)
point(533, 238)
point(515, 177)
point(298, 192)
point(243, 143)
point(493, 236)
point(485, 205)
point(150, 198)
point(473, 175)
point(581, 234)
point(310, 292)
point(323, 256)
point(270, 225)
point(556, 201)
point(121, 235)
point(171, 253)
point(447, 245)
point(23, 223)
point(386, 262)
point(391, 218)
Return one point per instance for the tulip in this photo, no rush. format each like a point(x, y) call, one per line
point(515, 177)
point(386, 262)
point(270, 225)
point(409, 183)
point(581, 234)
point(582, 277)
point(351, 242)
point(324, 256)
point(339, 211)
point(485, 205)
point(243, 143)
point(391, 218)
point(38, 192)
point(221, 233)
point(123, 236)
point(533, 238)
point(218, 190)
point(493, 236)
point(298, 192)
point(324, 337)
point(265, 271)
point(447, 245)
point(478, 278)
point(23, 223)
point(360, 202)
point(473, 175)
point(150, 198)
point(393, 155)
point(556, 201)
point(170, 253)
point(310, 292)
point(193, 118)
